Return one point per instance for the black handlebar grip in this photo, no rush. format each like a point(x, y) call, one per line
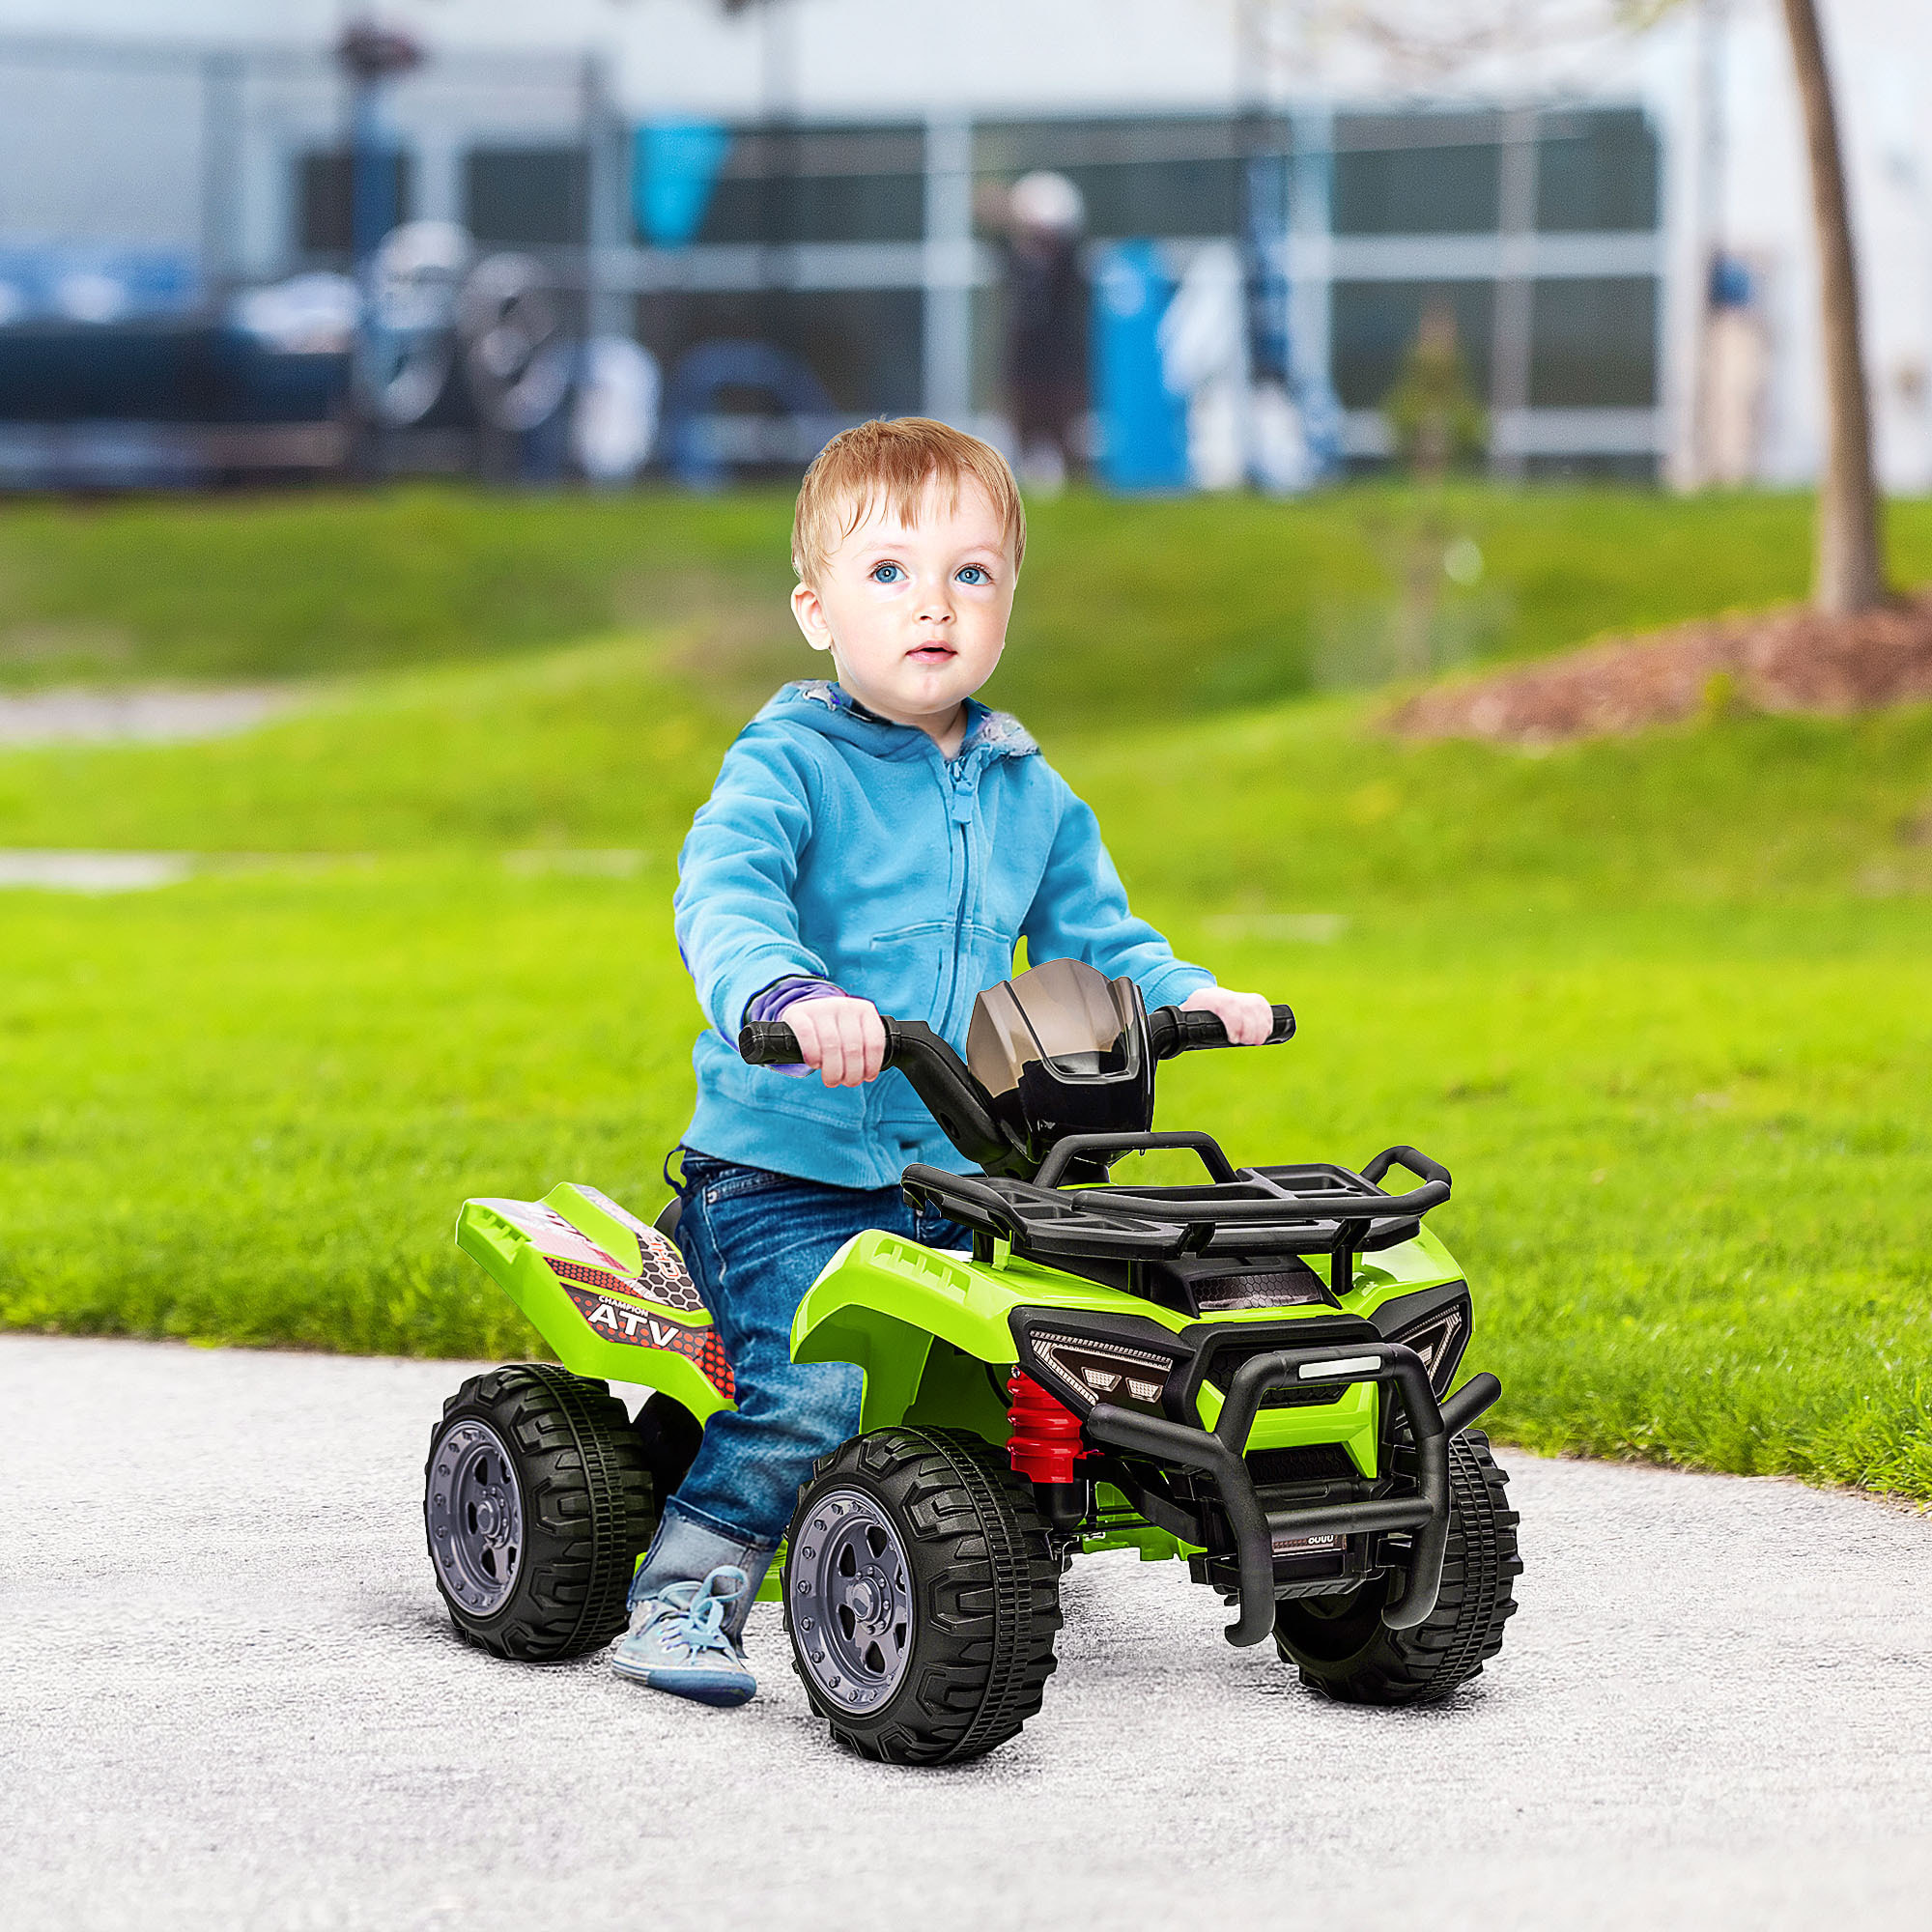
point(769, 1043)
point(1194, 1032)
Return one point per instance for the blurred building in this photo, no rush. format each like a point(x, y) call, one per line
point(796, 205)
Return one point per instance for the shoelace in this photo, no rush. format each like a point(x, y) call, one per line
point(696, 1614)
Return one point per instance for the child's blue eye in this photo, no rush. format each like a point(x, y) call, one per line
point(887, 573)
point(972, 573)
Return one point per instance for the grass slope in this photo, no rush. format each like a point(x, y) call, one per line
point(595, 745)
point(1130, 610)
point(1662, 1005)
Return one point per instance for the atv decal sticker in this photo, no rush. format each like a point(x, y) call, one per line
point(642, 1329)
point(664, 1277)
point(590, 1277)
point(665, 1282)
point(567, 1251)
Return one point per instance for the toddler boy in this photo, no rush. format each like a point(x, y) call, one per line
point(876, 842)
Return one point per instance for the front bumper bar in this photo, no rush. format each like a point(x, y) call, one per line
point(1218, 1454)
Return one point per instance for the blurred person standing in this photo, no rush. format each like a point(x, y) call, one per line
point(1046, 329)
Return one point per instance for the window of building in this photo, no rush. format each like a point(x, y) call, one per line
point(526, 197)
point(1593, 469)
point(1158, 178)
point(1373, 325)
point(323, 205)
point(1593, 343)
point(819, 185)
point(1418, 174)
point(864, 345)
point(1596, 172)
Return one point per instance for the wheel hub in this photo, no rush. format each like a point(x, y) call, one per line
point(851, 1599)
point(870, 1599)
point(475, 1516)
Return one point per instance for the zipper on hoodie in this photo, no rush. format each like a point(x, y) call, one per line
point(959, 806)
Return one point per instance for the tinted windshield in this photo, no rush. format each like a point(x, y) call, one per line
point(1064, 1012)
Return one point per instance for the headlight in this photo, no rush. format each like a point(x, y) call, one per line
point(1439, 1341)
point(1093, 1372)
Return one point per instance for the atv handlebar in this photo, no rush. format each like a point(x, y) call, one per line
point(939, 1077)
point(953, 1097)
point(1170, 1031)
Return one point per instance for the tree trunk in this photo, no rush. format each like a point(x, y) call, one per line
point(1850, 566)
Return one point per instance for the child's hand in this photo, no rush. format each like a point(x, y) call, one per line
point(1248, 1018)
point(842, 1037)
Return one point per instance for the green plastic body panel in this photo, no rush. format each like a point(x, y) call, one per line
point(575, 1265)
point(1121, 1528)
point(931, 1330)
point(924, 1325)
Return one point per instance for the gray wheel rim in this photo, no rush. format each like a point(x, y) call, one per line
point(849, 1598)
point(475, 1516)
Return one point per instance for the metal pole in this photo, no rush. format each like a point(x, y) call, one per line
point(1713, 34)
point(371, 172)
point(777, 82)
point(1511, 324)
point(947, 318)
point(221, 76)
point(1311, 274)
point(1257, 225)
point(371, 55)
point(606, 205)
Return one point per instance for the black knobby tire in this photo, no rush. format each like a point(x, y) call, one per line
point(1346, 1652)
point(979, 1586)
point(553, 1466)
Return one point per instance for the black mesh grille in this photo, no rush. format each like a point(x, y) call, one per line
point(1230, 1356)
point(1281, 1288)
point(1308, 1463)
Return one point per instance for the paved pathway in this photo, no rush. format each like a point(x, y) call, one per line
point(138, 714)
point(230, 1699)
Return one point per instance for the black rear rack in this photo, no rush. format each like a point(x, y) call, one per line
point(1318, 1208)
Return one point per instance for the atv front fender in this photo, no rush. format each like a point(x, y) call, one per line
point(882, 1301)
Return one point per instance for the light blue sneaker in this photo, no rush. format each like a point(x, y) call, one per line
point(678, 1642)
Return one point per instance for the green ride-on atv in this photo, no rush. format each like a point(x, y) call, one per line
point(1252, 1372)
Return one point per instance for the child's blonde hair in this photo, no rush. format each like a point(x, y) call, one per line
point(893, 461)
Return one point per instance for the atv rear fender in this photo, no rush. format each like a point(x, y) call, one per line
point(608, 1292)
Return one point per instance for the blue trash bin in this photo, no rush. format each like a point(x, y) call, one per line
point(1143, 426)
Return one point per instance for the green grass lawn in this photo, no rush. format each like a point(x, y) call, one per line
point(1129, 610)
point(1664, 1005)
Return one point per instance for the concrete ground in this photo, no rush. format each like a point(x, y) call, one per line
point(231, 1698)
point(152, 714)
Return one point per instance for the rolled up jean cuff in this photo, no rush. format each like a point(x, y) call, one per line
point(688, 1547)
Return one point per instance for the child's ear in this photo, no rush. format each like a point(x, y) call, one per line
point(811, 615)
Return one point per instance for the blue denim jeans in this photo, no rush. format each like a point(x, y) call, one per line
point(754, 1242)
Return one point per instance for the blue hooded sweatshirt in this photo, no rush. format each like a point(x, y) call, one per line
point(837, 846)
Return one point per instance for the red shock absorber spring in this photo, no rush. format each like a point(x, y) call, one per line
point(1045, 1444)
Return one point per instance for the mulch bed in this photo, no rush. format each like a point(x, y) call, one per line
point(1789, 660)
